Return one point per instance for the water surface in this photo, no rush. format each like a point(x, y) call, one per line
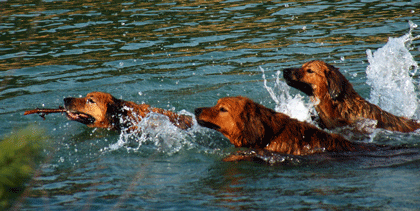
point(183, 55)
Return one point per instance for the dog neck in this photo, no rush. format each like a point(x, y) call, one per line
point(257, 130)
point(272, 126)
point(288, 136)
point(126, 114)
point(336, 112)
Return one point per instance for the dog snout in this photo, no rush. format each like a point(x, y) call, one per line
point(288, 74)
point(292, 74)
point(288, 71)
point(67, 101)
point(198, 111)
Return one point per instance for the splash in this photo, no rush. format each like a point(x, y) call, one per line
point(389, 74)
point(294, 107)
point(158, 132)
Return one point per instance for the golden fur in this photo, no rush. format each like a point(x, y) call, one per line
point(102, 110)
point(337, 103)
point(251, 125)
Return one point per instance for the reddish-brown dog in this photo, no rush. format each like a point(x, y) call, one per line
point(248, 124)
point(336, 102)
point(102, 110)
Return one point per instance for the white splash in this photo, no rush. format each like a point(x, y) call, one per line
point(156, 130)
point(294, 107)
point(389, 74)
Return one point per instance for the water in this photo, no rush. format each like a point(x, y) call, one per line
point(390, 75)
point(294, 106)
point(183, 55)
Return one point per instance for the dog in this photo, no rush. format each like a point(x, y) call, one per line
point(102, 110)
point(251, 125)
point(336, 102)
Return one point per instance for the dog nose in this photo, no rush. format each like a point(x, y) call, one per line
point(287, 71)
point(198, 111)
point(67, 101)
point(289, 74)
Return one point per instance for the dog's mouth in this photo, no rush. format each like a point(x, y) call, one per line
point(208, 124)
point(303, 87)
point(80, 117)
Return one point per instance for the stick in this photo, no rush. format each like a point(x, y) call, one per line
point(44, 111)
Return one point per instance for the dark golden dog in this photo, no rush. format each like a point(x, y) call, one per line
point(336, 102)
point(248, 124)
point(102, 110)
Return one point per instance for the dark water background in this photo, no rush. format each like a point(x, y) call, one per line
point(181, 55)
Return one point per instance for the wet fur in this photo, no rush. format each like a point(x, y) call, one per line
point(251, 125)
point(102, 110)
point(338, 104)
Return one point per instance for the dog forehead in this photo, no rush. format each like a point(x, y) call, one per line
point(315, 65)
point(232, 101)
point(99, 96)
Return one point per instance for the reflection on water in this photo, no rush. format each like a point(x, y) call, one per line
point(92, 34)
point(182, 55)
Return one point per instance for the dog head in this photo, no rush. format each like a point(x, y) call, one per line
point(238, 118)
point(317, 78)
point(97, 109)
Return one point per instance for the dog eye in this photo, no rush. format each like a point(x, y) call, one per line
point(309, 71)
point(90, 101)
point(222, 109)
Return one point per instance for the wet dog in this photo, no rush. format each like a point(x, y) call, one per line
point(336, 102)
point(102, 110)
point(251, 125)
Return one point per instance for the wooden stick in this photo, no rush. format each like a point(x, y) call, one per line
point(45, 111)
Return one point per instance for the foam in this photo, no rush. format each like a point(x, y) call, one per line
point(389, 74)
point(293, 106)
point(158, 131)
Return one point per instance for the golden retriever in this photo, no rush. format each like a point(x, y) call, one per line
point(102, 110)
point(251, 125)
point(336, 102)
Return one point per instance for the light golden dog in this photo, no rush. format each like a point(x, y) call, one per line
point(102, 110)
point(337, 103)
point(251, 125)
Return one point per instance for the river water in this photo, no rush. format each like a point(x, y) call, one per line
point(187, 54)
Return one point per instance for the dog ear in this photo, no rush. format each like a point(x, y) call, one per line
point(253, 126)
point(336, 82)
point(114, 112)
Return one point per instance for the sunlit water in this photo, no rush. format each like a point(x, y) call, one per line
point(180, 56)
